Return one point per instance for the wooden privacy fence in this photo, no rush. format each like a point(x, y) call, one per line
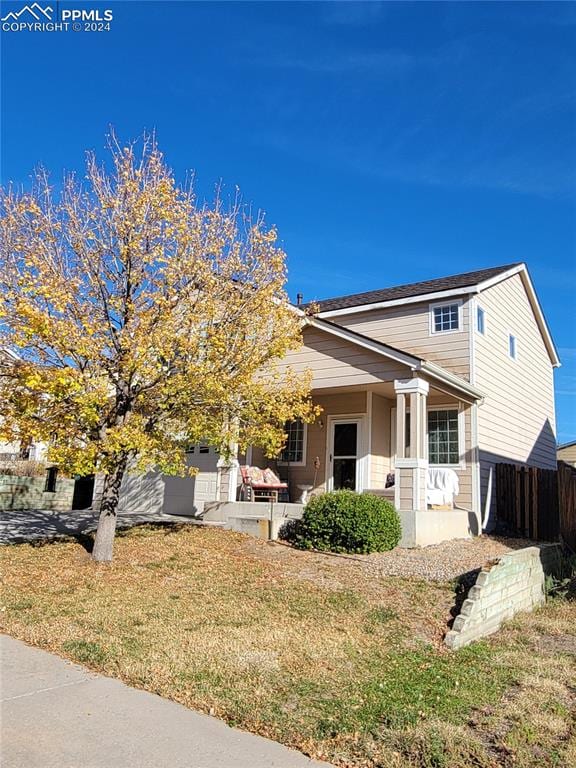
point(567, 503)
point(538, 503)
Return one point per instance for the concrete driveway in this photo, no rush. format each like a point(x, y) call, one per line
point(59, 715)
point(18, 526)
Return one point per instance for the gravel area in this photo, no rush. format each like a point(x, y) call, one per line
point(441, 562)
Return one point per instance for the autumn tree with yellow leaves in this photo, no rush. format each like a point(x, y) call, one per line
point(144, 322)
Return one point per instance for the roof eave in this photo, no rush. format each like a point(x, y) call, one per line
point(395, 302)
point(415, 364)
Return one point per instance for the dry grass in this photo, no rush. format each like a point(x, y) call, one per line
point(322, 656)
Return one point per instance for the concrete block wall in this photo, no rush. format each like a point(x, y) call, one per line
point(18, 492)
point(513, 583)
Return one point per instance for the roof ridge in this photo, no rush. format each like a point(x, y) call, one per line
point(351, 299)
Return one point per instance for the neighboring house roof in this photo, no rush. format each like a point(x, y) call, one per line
point(416, 364)
point(9, 353)
point(439, 288)
point(566, 445)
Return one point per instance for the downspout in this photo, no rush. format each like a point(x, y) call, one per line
point(488, 500)
point(476, 487)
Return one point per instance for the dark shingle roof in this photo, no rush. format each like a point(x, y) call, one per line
point(412, 289)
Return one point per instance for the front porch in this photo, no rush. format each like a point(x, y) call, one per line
point(376, 439)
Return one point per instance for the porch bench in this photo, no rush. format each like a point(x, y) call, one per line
point(261, 484)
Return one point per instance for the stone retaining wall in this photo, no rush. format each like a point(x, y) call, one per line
point(513, 583)
point(18, 492)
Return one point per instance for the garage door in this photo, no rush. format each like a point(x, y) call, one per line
point(186, 495)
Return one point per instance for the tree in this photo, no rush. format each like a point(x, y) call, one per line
point(144, 321)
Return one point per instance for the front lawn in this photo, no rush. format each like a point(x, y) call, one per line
point(302, 648)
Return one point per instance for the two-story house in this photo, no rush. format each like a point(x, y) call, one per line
point(452, 373)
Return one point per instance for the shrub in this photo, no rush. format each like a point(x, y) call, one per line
point(22, 468)
point(345, 521)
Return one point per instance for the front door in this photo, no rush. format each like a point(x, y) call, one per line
point(344, 455)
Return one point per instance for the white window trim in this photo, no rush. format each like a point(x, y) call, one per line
point(437, 305)
point(513, 357)
point(304, 445)
point(479, 308)
point(461, 433)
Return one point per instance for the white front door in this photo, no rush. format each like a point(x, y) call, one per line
point(345, 455)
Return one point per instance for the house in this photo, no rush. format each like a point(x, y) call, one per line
point(34, 451)
point(452, 373)
point(567, 453)
point(455, 372)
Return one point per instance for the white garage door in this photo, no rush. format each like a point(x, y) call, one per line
point(186, 495)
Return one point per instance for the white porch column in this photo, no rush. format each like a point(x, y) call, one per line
point(411, 466)
point(227, 469)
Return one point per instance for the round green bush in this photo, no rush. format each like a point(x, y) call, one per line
point(345, 521)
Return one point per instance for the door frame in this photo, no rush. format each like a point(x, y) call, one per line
point(362, 452)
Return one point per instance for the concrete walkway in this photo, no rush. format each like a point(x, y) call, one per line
point(59, 715)
point(17, 526)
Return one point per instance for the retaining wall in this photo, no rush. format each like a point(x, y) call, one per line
point(17, 492)
point(513, 583)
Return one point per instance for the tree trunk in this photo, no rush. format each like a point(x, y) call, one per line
point(104, 541)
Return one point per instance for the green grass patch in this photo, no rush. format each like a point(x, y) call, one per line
point(85, 652)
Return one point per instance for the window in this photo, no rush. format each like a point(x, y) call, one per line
point(480, 320)
point(445, 317)
point(512, 346)
point(295, 449)
point(443, 446)
point(197, 448)
point(443, 436)
point(50, 485)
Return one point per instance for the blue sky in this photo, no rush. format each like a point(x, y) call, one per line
point(389, 142)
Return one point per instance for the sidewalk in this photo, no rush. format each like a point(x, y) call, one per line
point(18, 526)
point(58, 715)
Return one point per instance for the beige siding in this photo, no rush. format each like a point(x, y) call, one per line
point(332, 405)
point(568, 454)
point(516, 422)
point(465, 498)
point(407, 327)
point(380, 462)
point(406, 490)
point(337, 363)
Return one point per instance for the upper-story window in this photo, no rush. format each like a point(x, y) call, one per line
point(445, 318)
point(481, 320)
point(512, 346)
point(294, 451)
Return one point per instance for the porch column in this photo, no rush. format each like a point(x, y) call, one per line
point(411, 465)
point(227, 468)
